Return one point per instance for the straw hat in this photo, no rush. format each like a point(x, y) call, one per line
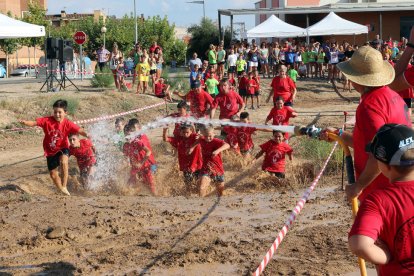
point(367, 67)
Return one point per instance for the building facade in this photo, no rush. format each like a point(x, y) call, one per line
point(381, 16)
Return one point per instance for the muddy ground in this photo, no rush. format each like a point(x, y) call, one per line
point(118, 230)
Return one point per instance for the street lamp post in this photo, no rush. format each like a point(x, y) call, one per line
point(103, 31)
point(136, 23)
point(200, 2)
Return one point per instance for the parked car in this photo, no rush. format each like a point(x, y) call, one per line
point(2, 71)
point(23, 71)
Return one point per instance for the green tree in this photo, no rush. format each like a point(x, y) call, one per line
point(205, 34)
point(178, 51)
point(9, 47)
point(36, 15)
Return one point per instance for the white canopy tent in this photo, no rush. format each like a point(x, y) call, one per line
point(333, 24)
point(275, 27)
point(12, 28)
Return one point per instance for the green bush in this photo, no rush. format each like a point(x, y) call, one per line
point(317, 151)
point(104, 80)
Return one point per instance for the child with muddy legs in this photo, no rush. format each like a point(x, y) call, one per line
point(84, 152)
point(275, 151)
point(190, 164)
point(55, 143)
point(138, 151)
point(212, 170)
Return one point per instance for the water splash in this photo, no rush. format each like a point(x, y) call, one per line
point(108, 158)
point(165, 122)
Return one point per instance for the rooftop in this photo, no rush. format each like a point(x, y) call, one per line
point(337, 8)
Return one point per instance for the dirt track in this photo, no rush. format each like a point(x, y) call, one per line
point(117, 231)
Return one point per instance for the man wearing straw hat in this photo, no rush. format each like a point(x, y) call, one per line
point(379, 105)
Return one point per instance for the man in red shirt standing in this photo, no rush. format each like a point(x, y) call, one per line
point(230, 102)
point(379, 105)
point(56, 143)
point(284, 87)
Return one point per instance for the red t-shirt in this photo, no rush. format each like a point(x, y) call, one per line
point(281, 116)
point(153, 48)
point(56, 134)
point(388, 215)
point(283, 87)
point(232, 82)
point(159, 88)
point(84, 154)
point(244, 136)
point(231, 137)
point(136, 153)
point(211, 165)
point(243, 82)
point(409, 75)
point(274, 160)
point(228, 103)
point(200, 103)
point(378, 107)
point(188, 163)
point(251, 86)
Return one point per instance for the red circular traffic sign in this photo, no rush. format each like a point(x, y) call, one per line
point(79, 37)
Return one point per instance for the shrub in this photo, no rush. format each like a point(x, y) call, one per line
point(104, 80)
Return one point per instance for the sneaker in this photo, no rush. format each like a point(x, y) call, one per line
point(252, 107)
point(65, 191)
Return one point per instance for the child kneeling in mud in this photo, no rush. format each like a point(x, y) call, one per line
point(84, 152)
point(275, 151)
point(212, 170)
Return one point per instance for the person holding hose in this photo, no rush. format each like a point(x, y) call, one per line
point(379, 105)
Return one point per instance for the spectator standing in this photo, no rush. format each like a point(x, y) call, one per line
point(113, 63)
point(194, 61)
point(102, 57)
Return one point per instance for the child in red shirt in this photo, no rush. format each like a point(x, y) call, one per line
point(383, 229)
point(55, 143)
point(212, 170)
point(251, 88)
point(243, 83)
point(161, 90)
point(190, 164)
point(232, 82)
point(181, 113)
point(257, 90)
point(275, 151)
point(231, 135)
point(84, 151)
point(280, 114)
point(139, 152)
point(244, 136)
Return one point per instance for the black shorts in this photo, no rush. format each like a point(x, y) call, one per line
point(408, 102)
point(53, 162)
point(232, 69)
point(239, 73)
point(220, 63)
point(257, 93)
point(277, 174)
point(243, 92)
point(190, 176)
point(288, 104)
point(161, 96)
point(152, 72)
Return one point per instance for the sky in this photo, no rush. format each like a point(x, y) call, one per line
point(180, 12)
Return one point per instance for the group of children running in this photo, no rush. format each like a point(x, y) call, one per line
point(199, 151)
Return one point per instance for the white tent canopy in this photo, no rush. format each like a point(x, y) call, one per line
point(274, 27)
point(12, 28)
point(333, 24)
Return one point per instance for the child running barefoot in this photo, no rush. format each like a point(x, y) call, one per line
point(244, 135)
point(139, 152)
point(275, 151)
point(84, 152)
point(190, 164)
point(256, 77)
point(251, 89)
point(55, 143)
point(231, 135)
point(212, 170)
point(383, 231)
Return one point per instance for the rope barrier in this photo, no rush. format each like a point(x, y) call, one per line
point(295, 212)
point(86, 121)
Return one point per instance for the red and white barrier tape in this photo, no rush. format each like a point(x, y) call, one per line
point(102, 118)
point(295, 212)
point(78, 72)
